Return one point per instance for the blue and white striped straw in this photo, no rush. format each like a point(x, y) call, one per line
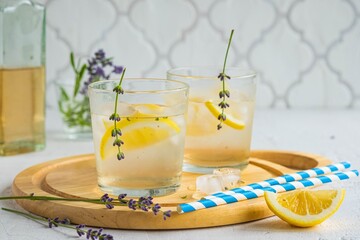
point(226, 199)
point(286, 178)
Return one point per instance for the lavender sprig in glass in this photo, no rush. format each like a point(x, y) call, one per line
point(116, 132)
point(224, 93)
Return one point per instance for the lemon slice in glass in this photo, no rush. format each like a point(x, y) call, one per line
point(305, 208)
point(139, 130)
point(230, 120)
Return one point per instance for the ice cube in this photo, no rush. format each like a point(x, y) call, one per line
point(209, 183)
point(230, 177)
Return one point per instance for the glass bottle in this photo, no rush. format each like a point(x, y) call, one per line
point(22, 76)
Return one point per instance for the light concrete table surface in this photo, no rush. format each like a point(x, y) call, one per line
point(334, 134)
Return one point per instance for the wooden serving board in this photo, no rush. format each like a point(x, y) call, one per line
point(76, 177)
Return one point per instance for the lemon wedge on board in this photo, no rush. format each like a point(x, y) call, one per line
point(305, 208)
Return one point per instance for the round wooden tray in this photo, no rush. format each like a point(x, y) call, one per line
point(76, 177)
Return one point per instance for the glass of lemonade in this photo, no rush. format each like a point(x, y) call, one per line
point(153, 131)
point(206, 147)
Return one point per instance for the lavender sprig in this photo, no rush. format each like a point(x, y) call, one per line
point(116, 132)
point(56, 222)
point(143, 203)
point(224, 93)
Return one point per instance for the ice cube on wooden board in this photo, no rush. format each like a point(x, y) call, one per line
point(230, 177)
point(209, 183)
point(222, 179)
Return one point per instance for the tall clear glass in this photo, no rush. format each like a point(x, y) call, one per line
point(206, 147)
point(153, 131)
point(22, 76)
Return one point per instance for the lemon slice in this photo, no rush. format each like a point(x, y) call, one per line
point(139, 130)
point(230, 120)
point(305, 208)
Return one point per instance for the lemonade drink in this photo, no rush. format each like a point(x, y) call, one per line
point(206, 147)
point(153, 132)
point(22, 131)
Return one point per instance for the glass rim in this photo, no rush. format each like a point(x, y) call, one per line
point(185, 86)
point(249, 72)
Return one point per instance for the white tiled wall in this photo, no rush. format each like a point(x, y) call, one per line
point(307, 52)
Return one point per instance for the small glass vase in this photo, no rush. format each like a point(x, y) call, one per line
point(74, 111)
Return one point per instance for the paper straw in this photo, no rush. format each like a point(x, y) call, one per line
point(285, 178)
point(226, 199)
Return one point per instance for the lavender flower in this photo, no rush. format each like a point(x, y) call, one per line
point(108, 200)
point(79, 230)
point(145, 203)
point(99, 72)
point(118, 142)
point(166, 214)
point(156, 208)
point(115, 117)
point(92, 234)
point(109, 206)
point(88, 233)
point(65, 221)
point(132, 204)
point(56, 221)
point(121, 197)
point(118, 69)
point(53, 222)
point(104, 197)
point(120, 156)
point(115, 132)
point(106, 237)
point(100, 55)
point(99, 67)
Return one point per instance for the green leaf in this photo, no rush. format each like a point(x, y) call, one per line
point(64, 96)
point(72, 62)
point(61, 107)
point(79, 77)
point(82, 71)
point(78, 64)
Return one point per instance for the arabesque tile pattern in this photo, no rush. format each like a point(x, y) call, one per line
point(307, 52)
